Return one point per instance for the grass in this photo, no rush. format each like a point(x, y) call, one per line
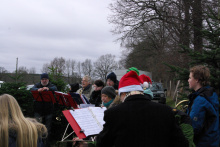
point(170, 102)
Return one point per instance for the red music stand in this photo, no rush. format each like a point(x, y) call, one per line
point(44, 96)
point(66, 100)
point(74, 125)
point(59, 98)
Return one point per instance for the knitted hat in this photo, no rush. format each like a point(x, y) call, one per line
point(99, 83)
point(109, 91)
point(112, 76)
point(133, 69)
point(44, 75)
point(130, 82)
point(145, 78)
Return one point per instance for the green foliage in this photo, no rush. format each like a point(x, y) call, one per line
point(210, 56)
point(23, 96)
point(57, 79)
point(58, 126)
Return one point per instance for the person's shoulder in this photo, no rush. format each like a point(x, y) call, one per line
point(37, 84)
point(51, 84)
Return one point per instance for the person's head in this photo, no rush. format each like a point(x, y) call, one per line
point(133, 69)
point(111, 79)
point(129, 83)
point(44, 79)
point(86, 80)
point(198, 77)
point(74, 87)
point(108, 94)
point(98, 85)
point(12, 118)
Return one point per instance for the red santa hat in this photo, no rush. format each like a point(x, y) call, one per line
point(145, 78)
point(130, 82)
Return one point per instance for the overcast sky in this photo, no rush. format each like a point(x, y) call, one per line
point(37, 31)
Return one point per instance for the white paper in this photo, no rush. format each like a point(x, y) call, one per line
point(89, 119)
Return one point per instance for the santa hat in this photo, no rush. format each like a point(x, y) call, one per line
point(130, 82)
point(145, 78)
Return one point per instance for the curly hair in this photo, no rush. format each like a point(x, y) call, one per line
point(201, 73)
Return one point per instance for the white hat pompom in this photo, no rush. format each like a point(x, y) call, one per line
point(145, 85)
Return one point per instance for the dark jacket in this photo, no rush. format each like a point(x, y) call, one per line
point(95, 98)
point(138, 122)
point(51, 87)
point(13, 138)
point(43, 108)
point(116, 85)
point(203, 110)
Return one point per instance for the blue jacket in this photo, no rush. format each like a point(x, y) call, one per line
point(203, 110)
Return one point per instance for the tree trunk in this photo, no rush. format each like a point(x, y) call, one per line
point(197, 24)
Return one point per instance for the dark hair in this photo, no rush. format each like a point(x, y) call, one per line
point(99, 83)
point(74, 87)
point(201, 73)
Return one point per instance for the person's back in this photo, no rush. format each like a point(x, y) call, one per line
point(142, 123)
point(138, 121)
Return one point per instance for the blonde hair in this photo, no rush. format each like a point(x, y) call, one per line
point(12, 119)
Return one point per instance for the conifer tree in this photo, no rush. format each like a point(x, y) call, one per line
point(210, 55)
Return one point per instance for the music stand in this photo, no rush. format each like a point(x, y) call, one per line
point(77, 98)
point(59, 98)
point(73, 124)
point(66, 100)
point(44, 96)
point(70, 101)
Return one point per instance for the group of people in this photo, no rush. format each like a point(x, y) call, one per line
point(131, 118)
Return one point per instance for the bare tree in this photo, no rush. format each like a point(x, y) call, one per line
point(45, 68)
point(22, 70)
point(3, 70)
point(103, 65)
point(32, 70)
point(70, 67)
point(87, 67)
point(58, 64)
point(78, 69)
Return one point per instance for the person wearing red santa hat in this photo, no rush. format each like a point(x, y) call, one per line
point(145, 83)
point(138, 121)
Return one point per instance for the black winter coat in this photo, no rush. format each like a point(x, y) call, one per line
point(95, 98)
point(138, 122)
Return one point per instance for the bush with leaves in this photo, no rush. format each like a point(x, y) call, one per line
point(21, 94)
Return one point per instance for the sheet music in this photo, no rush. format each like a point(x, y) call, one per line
point(89, 119)
point(99, 114)
point(86, 105)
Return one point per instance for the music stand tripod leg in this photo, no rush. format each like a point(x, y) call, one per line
point(63, 138)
